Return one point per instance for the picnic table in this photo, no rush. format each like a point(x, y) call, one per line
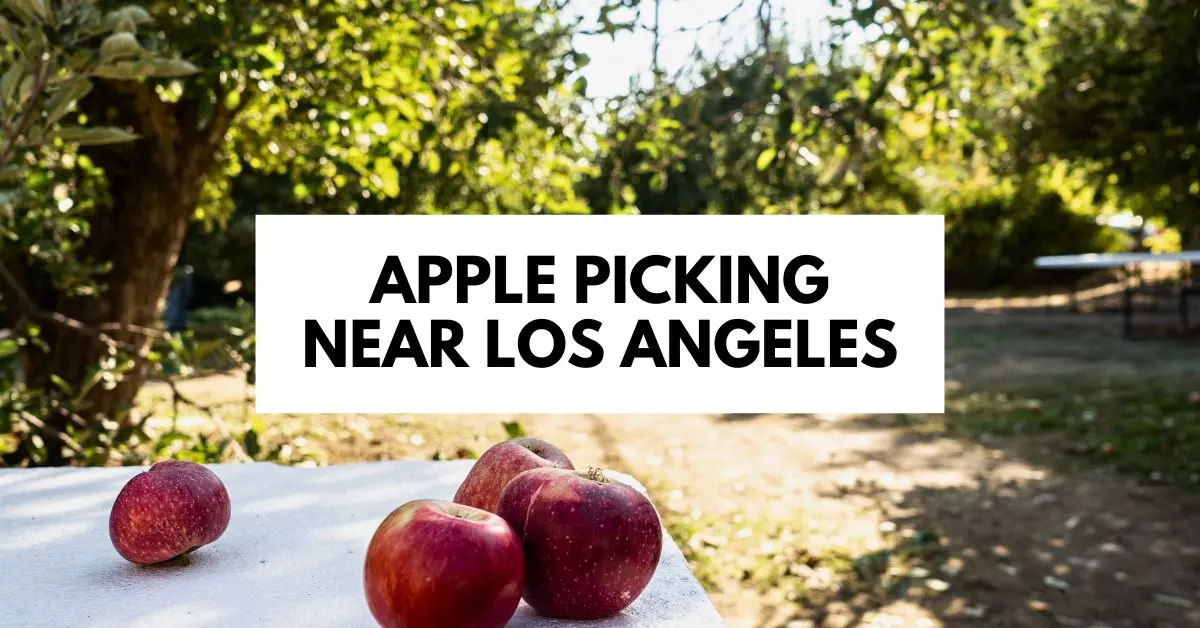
point(292, 555)
point(1129, 265)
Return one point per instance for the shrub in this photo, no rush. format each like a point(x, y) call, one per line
point(993, 237)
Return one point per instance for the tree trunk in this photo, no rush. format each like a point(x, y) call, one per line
point(154, 186)
point(139, 235)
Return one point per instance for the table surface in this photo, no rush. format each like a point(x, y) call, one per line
point(1113, 260)
point(292, 555)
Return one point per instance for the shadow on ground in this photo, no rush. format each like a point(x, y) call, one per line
point(1055, 552)
point(1057, 490)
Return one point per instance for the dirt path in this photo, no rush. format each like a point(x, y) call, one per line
point(1016, 544)
point(876, 521)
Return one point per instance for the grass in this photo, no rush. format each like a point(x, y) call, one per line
point(1150, 429)
point(773, 561)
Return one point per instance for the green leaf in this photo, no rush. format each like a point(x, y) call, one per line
point(131, 15)
point(94, 136)
point(120, 46)
point(251, 444)
point(434, 161)
point(10, 82)
point(121, 71)
point(580, 86)
point(62, 99)
point(173, 68)
point(658, 181)
point(514, 429)
point(765, 158)
point(81, 60)
point(41, 9)
point(389, 176)
point(60, 382)
point(22, 9)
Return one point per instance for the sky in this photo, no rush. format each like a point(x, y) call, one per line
point(614, 62)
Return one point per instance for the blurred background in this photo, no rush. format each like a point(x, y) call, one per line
point(139, 142)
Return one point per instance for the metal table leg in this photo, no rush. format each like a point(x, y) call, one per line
point(1127, 306)
point(1183, 310)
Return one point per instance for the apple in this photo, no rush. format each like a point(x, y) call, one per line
point(167, 511)
point(434, 563)
point(591, 543)
point(500, 464)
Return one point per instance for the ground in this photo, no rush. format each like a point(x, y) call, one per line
point(1057, 490)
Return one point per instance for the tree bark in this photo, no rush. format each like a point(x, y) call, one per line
point(154, 184)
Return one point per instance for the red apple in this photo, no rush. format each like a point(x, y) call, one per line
point(500, 464)
point(167, 511)
point(591, 543)
point(434, 563)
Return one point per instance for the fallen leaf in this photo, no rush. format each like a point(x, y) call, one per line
point(1055, 583)
point(977, 611)
point(1174, 600)
point(937, 585)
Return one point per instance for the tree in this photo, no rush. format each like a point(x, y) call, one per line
point(846, 125)
point(1114, 86)
point(767, 132)
point(52, 55)
point(352, 100)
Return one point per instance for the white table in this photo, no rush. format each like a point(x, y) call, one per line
point(292, 555)
point(1128, 261)
point(1114, 260)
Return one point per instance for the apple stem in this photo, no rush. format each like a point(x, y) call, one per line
point(186, 560)
point(595, 474)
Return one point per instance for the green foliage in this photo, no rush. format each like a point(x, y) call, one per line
point(1144, 427)
point(346, 106)
point(416, 108)
point(733, 144)
point(1115, 84)
point(993, 236)
point(514, 429)
point(384, 107)
point(50, 52)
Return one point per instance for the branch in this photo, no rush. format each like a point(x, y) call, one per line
point(223, 116)
point(901, 23)
point(98, 332)
point(30, 309)
point(26, 119)
point(719, 20)
point(713, 22)
point(179, 397)
point(71, 443)
point(657, 38)
point(764, 26)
